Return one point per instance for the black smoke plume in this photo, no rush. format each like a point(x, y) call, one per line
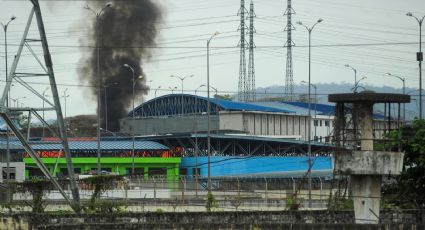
point(124, 34)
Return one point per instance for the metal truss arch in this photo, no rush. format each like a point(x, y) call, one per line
point(175, 104)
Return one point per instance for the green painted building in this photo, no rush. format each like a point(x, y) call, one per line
point(148, 166)
point(150, 158)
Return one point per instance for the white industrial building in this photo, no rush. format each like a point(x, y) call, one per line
point(184, 113)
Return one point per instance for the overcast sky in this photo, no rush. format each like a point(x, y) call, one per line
point(375, 37)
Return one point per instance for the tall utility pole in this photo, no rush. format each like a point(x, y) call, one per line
point(355, 73)
point(7, 99)
point(289, 79)
point(419, 58)
point(251, 45)
point(243, 84)
point(404, 91)
point(99, 78)
point(310, 163)
point(208, 111)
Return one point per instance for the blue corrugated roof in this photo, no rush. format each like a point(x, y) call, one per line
point(324, 109)
point(321, 108)
point(245, 106)
point(296, 109)
point(92, 145)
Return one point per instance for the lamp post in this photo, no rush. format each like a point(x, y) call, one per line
point(44, 95)
point(196, 90)
point(5, 47)
point(356, 85)
point(7, 100)
point(159, 87)
point(156, 108)
point(208, 111)
point(265, 92)
point(182, 79)
point(172, 89)
point(216, 91)
point(132, 129)
point(16, 100)
point(196, 139)
point(355, 72)
point(419, 58)
point(309, 106)
point(315, 106)
point(404, 90)
point(64, 97)
point(99, 78)
point(106, 101)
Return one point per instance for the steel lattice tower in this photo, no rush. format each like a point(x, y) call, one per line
point(243, 84)
point(251, 68)
point(289, 79)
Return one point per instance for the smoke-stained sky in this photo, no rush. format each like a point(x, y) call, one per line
point(123, 31)
point(187, 24)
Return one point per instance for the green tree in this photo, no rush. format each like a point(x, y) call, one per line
point(210, 202)
point(409, 189)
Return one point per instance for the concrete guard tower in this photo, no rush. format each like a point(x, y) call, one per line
point(366, 166)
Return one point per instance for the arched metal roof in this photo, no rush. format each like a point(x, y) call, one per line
point(178, 104)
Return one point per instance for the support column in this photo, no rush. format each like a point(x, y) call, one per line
point(366, 188)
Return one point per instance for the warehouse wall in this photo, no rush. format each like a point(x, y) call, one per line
point(165, 125)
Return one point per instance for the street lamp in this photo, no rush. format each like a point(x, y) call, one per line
point(7, 100)
point(44, 96)
point(16, 100)
point(106, 102)
point(196, 90)
point(196, 138)
point(132, 129)
point(5, 45)
point(315, 106)
point(208, 110)
point(159, 87)
point(419, 58)
point(182, 79)
point(156, 108)
point(64, 97)
point(404, 90)
point(216, 91)
point(99, 77)
point(309, 105)
point(172, 89)
point(355, 72)
point(356, 85)
point(265, 92)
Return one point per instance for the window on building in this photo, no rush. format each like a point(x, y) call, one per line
point(320, 123)
point(137, 171)
point(157, 171)
point(315, 138)
point(35, 172)
point(12, 173)
point(320, 139)
point(196, 171)
point(183, 171)
point(327, 123)
point(316, 122)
